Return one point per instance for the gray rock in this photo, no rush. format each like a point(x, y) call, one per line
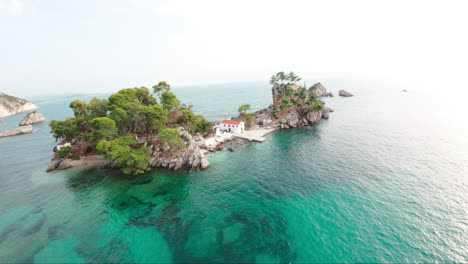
point(292, 119)
point(32, 118)
point(185, 135)
point(198, 137)
point(17, 131)
point(319, 90)
point(314, 116)
point(326, 113)
point(190, 158)
point(263, 118)
point(344, 93)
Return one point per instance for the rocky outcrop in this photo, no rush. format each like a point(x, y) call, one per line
point(32, 118)
point(326, 112)
point(18, 131)
point(93, 160)
point(278, 91)
point(313, 116)
point(319, 90)
point(299, 113)
point(10, 105)
point(291, 119)
point(190, 158)
point(344, 93)
point(263, 117)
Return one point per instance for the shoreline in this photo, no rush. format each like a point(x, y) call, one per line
point(100, 161)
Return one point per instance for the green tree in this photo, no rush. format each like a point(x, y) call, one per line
point(243, 108)
point(281, 77)
point(161, 87)
point(289, 91)
point(63, 152)
point(169, 100)
point(273, 79)
point(64, 130)
point(292, 78)
point(135, 161)
point(98, 107)
point(249, 116)
point(80, 108)
point(156, 118)
point(144, 96)
point(285, 103)
point(129, 160)
point(172, 138)
point(317, 106)
point(102, 128)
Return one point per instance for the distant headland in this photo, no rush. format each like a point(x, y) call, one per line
point(136, 129)
point(10, 105)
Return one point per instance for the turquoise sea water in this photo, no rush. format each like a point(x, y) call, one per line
point(383, 180)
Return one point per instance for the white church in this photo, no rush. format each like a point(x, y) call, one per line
point(231, 126)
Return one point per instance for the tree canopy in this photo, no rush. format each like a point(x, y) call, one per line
point(103, 125)
point(243, 108)
point(171, 137)
point(281, 77)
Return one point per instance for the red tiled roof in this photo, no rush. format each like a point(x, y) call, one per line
point(230, 122)
point(62, 143)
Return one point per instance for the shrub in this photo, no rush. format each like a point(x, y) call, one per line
point(317, 106)
point(63, 152)
point(249, 117)
point(171, 137)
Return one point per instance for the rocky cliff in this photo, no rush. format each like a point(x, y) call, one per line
point(32, 118)
point(10, 105)
point(293, 106)
point(189, 158)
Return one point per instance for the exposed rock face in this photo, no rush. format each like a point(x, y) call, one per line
point(278, 91)
point(17, 131)
point(344, 93)
point(326, 113)
point(319, 90)
point(10, 105)
point(263, 117)
point(32, 118)
point(313, 116)
point(191, 158)
point(298, 114)
point(94, 160)
point(290, 120)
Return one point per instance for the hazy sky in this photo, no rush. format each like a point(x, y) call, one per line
point(59, 46)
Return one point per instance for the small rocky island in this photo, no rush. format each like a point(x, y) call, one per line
point(135, 130)
point(32, 118)
point(10, 105)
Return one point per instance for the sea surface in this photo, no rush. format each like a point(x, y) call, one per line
point(383, 180)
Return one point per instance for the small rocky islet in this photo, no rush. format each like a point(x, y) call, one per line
point(136, 130)
point(10, 105)
point(25, 125)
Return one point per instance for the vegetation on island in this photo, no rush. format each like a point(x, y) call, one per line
point(243, 112)
point(110, 126)
point(293, 95)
